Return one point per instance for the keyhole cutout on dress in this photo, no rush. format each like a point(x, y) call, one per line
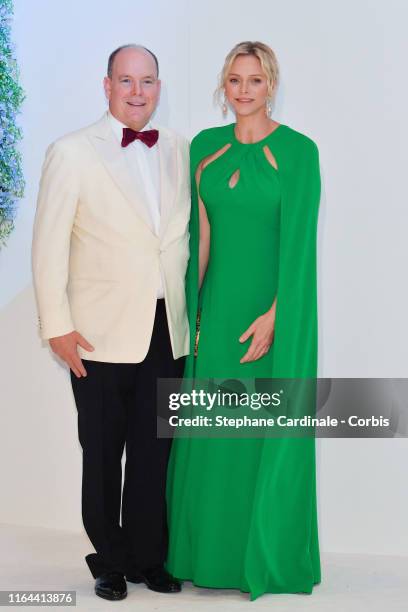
point(234, 179)
point(270, 157)
point(211, 158)
point(207, 161)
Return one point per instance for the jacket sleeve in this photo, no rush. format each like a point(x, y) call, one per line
point(295, 339)
point(54, 219)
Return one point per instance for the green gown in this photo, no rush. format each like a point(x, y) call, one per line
point(242, 511)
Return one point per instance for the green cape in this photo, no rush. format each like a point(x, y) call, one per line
point(295, 338)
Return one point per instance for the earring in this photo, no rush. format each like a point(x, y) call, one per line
point(268, 107)
point(224, 107)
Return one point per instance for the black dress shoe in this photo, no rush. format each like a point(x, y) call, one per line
point(156, 579)
point(111, 585)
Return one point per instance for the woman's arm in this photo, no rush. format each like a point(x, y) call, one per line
point(204, 248)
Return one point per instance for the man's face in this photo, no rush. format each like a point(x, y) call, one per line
point(134, 89)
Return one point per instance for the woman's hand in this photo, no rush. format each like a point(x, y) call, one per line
point(262, 330)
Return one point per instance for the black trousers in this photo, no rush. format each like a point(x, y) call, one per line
point(116, 405)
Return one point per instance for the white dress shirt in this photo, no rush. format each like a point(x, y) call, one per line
point(143, 162)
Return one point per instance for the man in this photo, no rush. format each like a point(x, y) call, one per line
point(110, 250)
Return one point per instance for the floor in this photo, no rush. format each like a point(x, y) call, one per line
point(41, 559)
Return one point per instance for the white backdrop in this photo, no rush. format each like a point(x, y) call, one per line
point(342, 84)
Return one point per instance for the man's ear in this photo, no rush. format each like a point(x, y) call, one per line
point(159, 86)
point(107, 85)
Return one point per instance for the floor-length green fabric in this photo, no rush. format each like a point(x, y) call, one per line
point(242, 512)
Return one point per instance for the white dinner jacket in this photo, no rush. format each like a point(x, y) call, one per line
point(96, 257)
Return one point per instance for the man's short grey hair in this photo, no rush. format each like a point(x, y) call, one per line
point(131, 46)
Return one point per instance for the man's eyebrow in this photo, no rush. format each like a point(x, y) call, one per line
point(128, 76)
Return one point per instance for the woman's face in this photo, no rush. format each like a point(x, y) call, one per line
point(246, 86)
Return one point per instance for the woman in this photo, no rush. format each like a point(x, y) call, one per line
point(242, 512)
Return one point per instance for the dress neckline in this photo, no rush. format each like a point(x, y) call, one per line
point(257, 142)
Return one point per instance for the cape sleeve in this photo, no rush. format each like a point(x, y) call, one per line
point(296, 334)
point(295, 338)
point(197, 153)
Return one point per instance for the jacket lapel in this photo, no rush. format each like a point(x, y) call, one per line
point(104, 141)
point(168, 176)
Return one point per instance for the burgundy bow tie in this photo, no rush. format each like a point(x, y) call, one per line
point(149, 137)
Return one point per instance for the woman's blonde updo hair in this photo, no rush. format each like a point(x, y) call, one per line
point(265, 55)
